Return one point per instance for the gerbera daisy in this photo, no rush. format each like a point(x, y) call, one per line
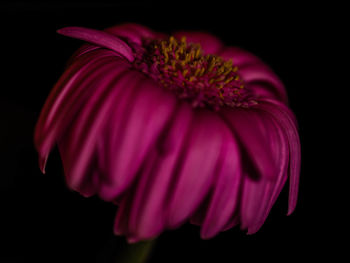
point(172, 129)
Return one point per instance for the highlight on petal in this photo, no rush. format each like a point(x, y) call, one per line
point(84, 133)
point(68, 96)
point(171, 130)
point(226, 194)
point(148, 216)
point(197, 168)
point(99, 38)
point(146, 115)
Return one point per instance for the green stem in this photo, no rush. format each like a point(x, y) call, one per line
point(137, 253)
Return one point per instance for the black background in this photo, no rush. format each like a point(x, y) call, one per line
point(44, 221)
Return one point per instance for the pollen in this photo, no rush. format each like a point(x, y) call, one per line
point(203, 79)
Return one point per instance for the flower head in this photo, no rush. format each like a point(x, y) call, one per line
point(172, 129)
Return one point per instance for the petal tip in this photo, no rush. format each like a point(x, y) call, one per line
point(290, 210)
point(42, 163)
point(206, 235)
point(132, 240)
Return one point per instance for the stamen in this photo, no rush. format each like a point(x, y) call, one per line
point(182, 68)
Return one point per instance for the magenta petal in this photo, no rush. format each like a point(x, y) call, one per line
point(68, 96)
point(257, 198)
point(287, 121)
point(235, 220)
point(260, 74)
point(254, 198)
point(109, 191)
point(226, 190)
point(264, 90)
point(252, 132)
point(282, 153)
point(197, 218)
point(147, 215)
point(88, 125)
point(209, 43)
point(147, 116)
point(99, 38)
point(89, 185)
point(121, 221)
point(197, 170)
point(255, 72)
point(133, 32)
point(84, 49)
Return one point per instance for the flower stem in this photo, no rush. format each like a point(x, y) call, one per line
point(137, 253)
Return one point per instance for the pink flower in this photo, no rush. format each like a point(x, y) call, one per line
point(172, 129)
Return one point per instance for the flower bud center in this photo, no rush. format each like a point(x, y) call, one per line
point(205, 80)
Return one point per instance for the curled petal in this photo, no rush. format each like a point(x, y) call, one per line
point(99, 38)
point(258, 195)
point(281, 150)
point(287, 121)
point(260, 74)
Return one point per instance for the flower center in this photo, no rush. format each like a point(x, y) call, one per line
point(205, 80)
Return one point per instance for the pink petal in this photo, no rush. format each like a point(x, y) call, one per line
point(147, 214)
point(68, 96)
point(146, 117)
point(263, 90)
point(89, 185)
point(133, 32)
point(235, 220)
point(122, 224)
point(87, 128)
point(260, 74)
point(197, 169)
point(252, 133)
point(121, 221)
point(197, 218)
point(126, 228)
point(255, 72)
point(286, 120)
point(254, 198)
point(226, 190)
point(282, 154)
point(257, 195)
point(209, 43)
point(99, 38)
point(84, 49)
